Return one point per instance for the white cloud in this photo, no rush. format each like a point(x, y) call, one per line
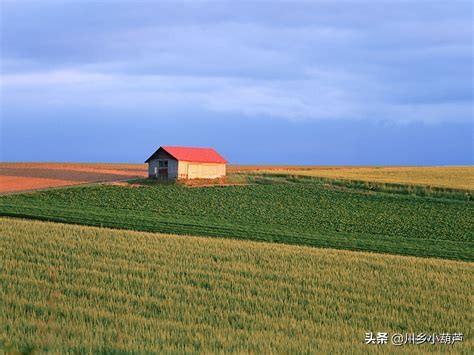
point(58, 77)
point(305, 60)
point(322, 95)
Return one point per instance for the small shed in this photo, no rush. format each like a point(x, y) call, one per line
point(172, 163)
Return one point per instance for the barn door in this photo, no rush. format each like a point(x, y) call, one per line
point(163, 173)
point(163, 169)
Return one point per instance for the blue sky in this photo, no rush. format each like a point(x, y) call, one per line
point(277, 82)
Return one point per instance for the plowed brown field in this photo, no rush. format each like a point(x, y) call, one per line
point(31, 176)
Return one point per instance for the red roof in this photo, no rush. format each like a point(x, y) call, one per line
point(201, 155)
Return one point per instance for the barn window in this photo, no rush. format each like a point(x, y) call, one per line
point(163, 163)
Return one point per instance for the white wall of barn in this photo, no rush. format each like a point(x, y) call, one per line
point(191, 170)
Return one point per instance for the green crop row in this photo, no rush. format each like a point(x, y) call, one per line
point(305, 213)
point(364, 185)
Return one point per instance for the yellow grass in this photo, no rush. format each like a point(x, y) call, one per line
point(68, 288)
point(456, 177)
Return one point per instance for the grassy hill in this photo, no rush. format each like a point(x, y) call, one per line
point(303, 212)
point(85, 289)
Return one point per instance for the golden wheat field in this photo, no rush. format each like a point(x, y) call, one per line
point(456, 177)
point(67, 288)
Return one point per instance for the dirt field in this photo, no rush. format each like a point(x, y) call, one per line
point(31, 176)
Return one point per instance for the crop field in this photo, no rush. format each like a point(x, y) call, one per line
point(304, 213)
point(455, 177)
point(86, 289)
point(16, 177)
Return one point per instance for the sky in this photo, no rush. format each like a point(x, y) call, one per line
point(347, 82)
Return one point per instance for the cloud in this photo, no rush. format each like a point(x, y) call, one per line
point(323, 96)
point(44, 79)
point(298, 61)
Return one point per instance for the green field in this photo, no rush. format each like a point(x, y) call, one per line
point(68, 288)
point(303, 212)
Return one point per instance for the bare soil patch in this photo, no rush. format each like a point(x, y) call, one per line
point(21, 183)
point(30, 176)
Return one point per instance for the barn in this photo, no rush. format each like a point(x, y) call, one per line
point(172, 163)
